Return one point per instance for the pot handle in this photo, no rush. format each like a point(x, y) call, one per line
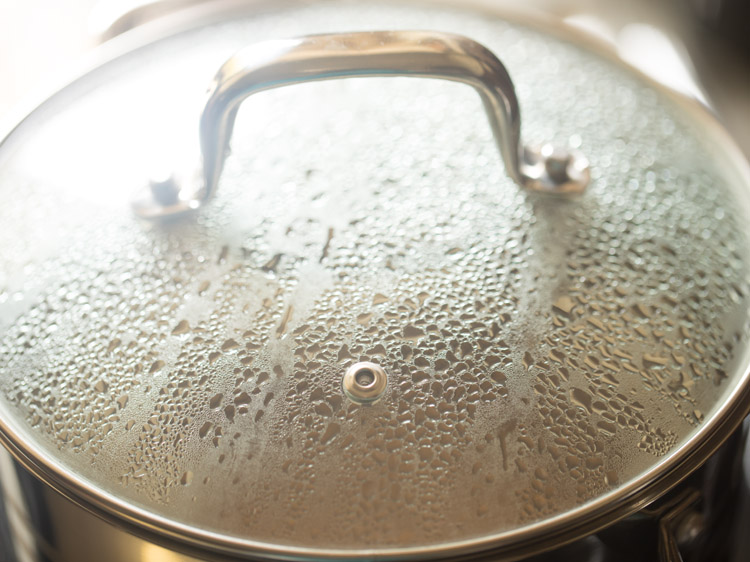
point(427, 54)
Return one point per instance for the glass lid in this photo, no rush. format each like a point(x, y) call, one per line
point(371, 339)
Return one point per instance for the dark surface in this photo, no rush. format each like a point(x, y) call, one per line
point(6, 550)
point(727, 19)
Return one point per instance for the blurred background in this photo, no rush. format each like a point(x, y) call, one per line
point(684, 43)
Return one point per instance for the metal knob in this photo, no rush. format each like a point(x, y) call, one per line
point(364, 382)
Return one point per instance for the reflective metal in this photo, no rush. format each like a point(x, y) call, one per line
point(365, 382)
point(671, 521)
point(425, 54)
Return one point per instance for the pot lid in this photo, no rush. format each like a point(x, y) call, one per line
point(372, 340)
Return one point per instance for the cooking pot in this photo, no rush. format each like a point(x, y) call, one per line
point(383, 327)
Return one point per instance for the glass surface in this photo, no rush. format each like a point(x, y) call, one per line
point(540, 352)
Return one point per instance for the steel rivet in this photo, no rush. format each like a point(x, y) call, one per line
point(164, 188)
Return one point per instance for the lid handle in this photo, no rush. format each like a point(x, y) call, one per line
point(427, 54)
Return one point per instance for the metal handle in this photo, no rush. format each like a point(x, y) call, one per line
point(427, 54)
point(679, 525)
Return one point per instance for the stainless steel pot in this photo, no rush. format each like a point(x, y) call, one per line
point(379, 339)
